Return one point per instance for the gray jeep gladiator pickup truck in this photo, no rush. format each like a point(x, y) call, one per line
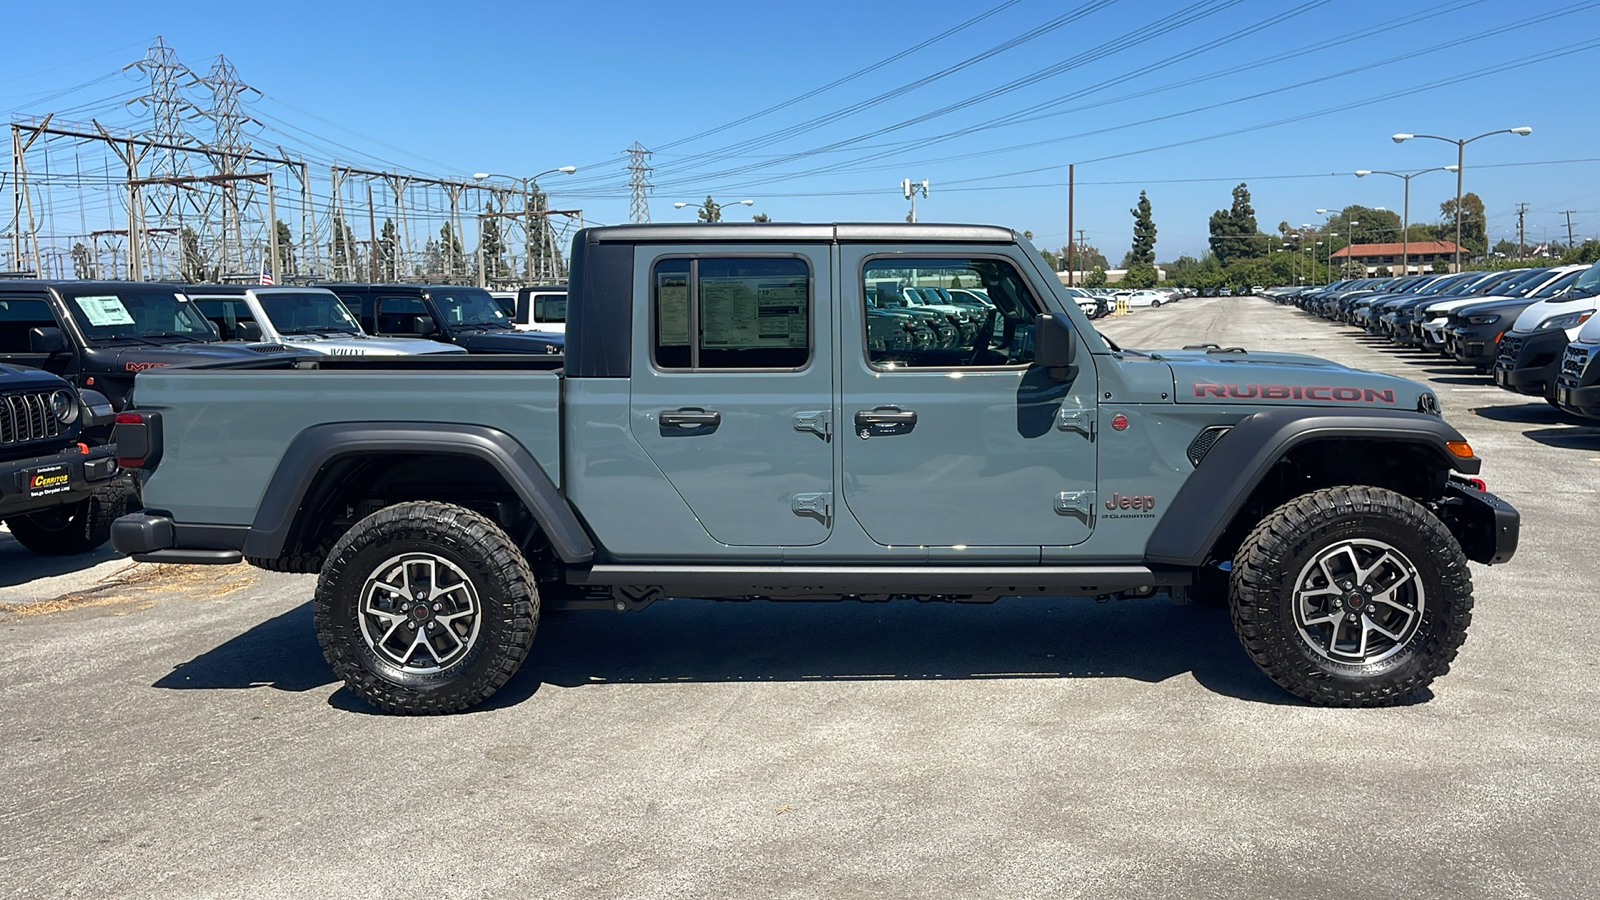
point(723, 427)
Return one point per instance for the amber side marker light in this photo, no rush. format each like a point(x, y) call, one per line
point(1460, 448)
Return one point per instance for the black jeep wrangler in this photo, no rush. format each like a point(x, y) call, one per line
point(58, 495)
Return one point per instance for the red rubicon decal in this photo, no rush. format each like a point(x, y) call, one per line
point(141, 366)
point(1210, 390)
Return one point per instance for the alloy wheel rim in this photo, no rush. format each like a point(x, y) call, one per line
point(1358, 602)
point(420, 612)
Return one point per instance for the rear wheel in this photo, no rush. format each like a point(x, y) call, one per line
point(425, 608)
point(74, 528)
point(1351, 596)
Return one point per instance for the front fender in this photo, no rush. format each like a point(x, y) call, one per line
point(1242, 457)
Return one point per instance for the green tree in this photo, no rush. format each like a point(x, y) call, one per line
point(387, 253)
point(1095, 278)
point(761, 217)
point(451, 251)
point(1586, 252)
point(1441, 267)
point(1234, 233)
point(1050, 259)
point(83, 261)
point(286, 260)
point(1474, 225)
point(191, 264)
point(1383, 272)
point(1141, 275)
point(1183, 271)
point(342, 252)
point(1144, 235)
point(710, 211)
point(1370, 226)
point(491, 248)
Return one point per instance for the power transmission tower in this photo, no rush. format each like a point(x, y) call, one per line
point(1522, 214)
point(168, 109)
point(639, 184)
point(228, 147)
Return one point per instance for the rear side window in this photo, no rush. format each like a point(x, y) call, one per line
point(225, 314)
point(731, 313)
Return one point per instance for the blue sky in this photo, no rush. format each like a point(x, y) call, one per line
point(449, 89)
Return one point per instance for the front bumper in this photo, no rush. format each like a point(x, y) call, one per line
point(45, 482)
point(1475, 347)
point(1530, 363)
point(1486, 526)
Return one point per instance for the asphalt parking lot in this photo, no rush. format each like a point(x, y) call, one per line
point(174, 732)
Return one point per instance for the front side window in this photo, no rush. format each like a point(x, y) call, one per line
point(991, 328)
point(18, 317)
point(226, 313)
point(731, 313)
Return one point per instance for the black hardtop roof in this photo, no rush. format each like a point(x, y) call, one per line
point(75, 285)
point(841, 232)
point(370, 285)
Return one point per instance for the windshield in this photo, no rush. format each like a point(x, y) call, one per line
point(1523, 283)
point(1588, 283)
point(137, 312)
point(468, 306)
point(1558, 285)
point(308, 312)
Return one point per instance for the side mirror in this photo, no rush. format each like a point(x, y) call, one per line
point(1054, 345)
point(46, 340)
point(247, 331)
point(424, 325)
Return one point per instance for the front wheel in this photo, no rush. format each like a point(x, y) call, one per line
point(425, 608)
point(1351, 596)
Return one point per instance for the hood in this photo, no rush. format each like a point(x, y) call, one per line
point(512, 342)
point(1531, 317)
point(1287, 379)
point(16, 378)
point(1504, 307)
point(141, 357)
point(353, 345)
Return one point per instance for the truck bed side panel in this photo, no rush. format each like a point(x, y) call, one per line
point(227, 431)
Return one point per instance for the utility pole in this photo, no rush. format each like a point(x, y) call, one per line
point(372, 236)
point(1522, 214)
point(1071, 184)
point(910, 189)
point(1568, 213)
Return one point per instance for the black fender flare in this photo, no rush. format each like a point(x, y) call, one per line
point(319, 445)
point(1241, 458)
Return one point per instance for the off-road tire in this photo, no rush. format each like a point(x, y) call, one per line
point(499, 578)
point(307, 563)
point(1265, 587)
point(75, 529)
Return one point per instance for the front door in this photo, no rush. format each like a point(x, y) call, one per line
point(21, 314)
point(734, 404)
point(962, 444)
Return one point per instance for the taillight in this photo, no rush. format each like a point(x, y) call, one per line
point(138, 439)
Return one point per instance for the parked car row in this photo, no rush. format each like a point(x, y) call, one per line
point(1530, 328)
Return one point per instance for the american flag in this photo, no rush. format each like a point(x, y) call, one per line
point(266, 272)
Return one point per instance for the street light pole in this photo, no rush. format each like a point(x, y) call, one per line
point(1405, 225)
point(701, 206)
point(532, 218)
point(1461, 164)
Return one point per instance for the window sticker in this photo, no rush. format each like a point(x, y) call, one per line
point(673, 314)
point(104, 310)
point(749, 312)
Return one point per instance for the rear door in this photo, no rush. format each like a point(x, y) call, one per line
point(732, 401)
point(963, 446)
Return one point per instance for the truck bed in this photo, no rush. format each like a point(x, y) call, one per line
point(228, 428)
